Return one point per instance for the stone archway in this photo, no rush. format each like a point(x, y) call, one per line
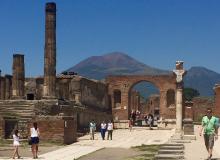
point(164, 83)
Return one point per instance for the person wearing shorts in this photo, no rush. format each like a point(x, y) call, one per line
point(210, 131)
point(16, 144)
point(34, 140)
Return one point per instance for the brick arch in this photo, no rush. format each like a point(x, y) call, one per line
point(126, 82)
point(130, 96)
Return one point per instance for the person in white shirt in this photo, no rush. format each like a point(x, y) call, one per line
point(16, 144)
point(110, 129)
point(92, 128)
point(35, 133)
point(103, 129)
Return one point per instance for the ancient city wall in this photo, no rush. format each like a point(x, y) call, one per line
point(91, 93)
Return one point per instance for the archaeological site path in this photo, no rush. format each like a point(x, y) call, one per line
point(123, 138)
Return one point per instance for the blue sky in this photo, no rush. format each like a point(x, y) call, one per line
point(155, 32)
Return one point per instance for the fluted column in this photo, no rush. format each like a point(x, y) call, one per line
point(18, 76)
point(49, 90)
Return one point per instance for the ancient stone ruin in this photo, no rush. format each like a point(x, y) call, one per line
point(64, 104)
point(61, 104)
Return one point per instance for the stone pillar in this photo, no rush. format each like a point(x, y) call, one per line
point(18, 76)
point(8, 86)
point(49, 90)
point(2, 88)
point(179, 72)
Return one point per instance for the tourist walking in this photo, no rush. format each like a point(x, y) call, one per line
point(103, 129)
point(110, 130)
point(130, 124)
point(16, 144)
point(210, 131)
point(35, 133)
point(133, 116)
point(92, 128)
point(150, 121)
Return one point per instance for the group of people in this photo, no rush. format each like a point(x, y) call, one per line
point(103, 128)
point(34, 140)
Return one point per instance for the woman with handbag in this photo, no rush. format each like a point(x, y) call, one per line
point(34, 140)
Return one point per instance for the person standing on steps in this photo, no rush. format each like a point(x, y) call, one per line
point(210, 131)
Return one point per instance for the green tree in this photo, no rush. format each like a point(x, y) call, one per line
point(190, 93)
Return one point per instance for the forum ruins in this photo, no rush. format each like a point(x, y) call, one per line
point(64, 104)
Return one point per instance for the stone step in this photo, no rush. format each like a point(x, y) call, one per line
point(168, 156)
point(172, 144)
point(16, 111)
point(18, 106)
point(172, 147)
point(180, 152)
point(180, 141)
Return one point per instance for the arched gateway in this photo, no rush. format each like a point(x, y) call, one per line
point(120, 86)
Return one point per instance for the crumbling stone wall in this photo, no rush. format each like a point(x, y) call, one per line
point(91, 93)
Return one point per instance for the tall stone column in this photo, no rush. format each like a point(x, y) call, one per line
point(179, 71)
point(49, 90)
point(8, 86)
point(2, 88)
point(18, 79)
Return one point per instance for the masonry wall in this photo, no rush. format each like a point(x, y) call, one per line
point(200, 105)
point(56, 128)
point(217, 100)
point(91, 93)
point(2, 128)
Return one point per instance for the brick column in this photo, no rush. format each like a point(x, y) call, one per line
point(18, 76)
point(49, 90)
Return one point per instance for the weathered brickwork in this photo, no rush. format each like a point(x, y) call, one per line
point(152, 106)
point(125, 84)
point(200, 106)
point(57, 128)
point(135, 100)
point(217, 99)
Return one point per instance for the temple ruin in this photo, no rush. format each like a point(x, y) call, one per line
point(63, 104)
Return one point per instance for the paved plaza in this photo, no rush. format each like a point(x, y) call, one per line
point(123, 138)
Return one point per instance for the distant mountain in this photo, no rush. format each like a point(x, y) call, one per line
point(117, 63)
point(202, 79)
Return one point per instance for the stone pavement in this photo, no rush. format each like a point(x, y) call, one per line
point(122, 138)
